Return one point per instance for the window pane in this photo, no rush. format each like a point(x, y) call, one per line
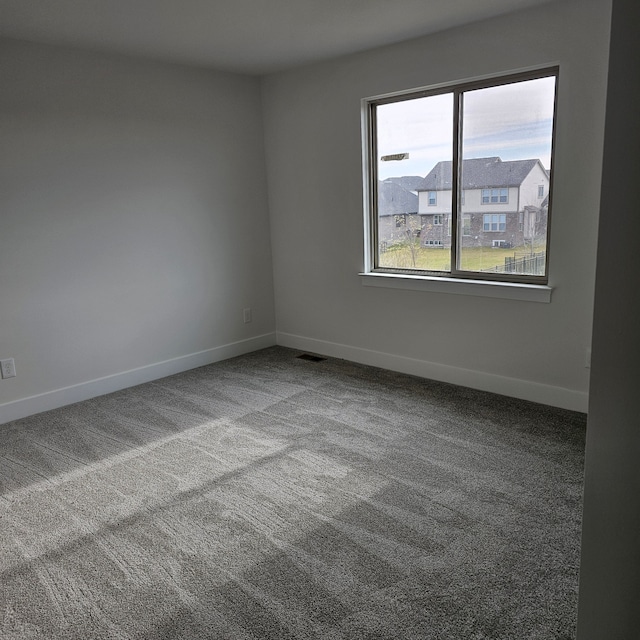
point(414, 139)
point(506, 159)
point(504, 163)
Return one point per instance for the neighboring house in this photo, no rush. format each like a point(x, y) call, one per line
point(398, 209)
point(410, 183)
point(504, 203)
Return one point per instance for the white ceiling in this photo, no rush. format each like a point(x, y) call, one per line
point(248, 36)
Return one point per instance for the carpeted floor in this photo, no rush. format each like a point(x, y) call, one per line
point(269, 496)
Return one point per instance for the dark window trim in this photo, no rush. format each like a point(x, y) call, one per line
point(370, 157)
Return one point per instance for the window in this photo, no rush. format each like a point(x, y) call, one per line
point(494, 222)
point(501, 143)
point(490, 196)
point(466, 225)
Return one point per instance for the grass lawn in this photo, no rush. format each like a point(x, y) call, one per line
point(399, 256)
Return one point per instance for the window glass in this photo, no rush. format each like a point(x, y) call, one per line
point(411, 135)
point(466, 225)
point(476, 191)
point(506, 146)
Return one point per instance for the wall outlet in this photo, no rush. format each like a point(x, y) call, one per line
point(246, 313)
point(8, 368)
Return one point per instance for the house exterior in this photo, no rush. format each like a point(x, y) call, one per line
point(398, 209)
point(503, 203)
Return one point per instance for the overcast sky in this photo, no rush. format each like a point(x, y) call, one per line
point(511, 121)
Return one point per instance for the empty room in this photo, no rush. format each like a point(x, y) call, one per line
point(318, 319)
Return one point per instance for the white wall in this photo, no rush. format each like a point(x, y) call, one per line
point(442, 205)
point(610, 567)
point(133, 222)
point(529, 189)
point(312, 129)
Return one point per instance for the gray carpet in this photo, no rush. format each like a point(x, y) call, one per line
point(273, 497)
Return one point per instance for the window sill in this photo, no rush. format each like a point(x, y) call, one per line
point(482, 288)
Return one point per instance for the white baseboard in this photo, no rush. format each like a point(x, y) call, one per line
point(516, 388)
point(60, 397)
point(513, 387)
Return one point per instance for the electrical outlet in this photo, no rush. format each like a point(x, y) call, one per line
point(247, 315)
point(8, 368)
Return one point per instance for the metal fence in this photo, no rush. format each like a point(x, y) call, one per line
point(532, 265)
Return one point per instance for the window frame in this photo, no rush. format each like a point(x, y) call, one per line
point(501, 220)
point(466, 225)
point(370, 167)
point(498, 195)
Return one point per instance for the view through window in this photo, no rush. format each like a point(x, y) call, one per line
point(461, 179)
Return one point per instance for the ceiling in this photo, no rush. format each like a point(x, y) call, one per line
point(247, 36)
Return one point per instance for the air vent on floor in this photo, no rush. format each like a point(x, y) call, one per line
point(310, 357)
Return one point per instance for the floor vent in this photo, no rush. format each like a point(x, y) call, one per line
point(310, 357)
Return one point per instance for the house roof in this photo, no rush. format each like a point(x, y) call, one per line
point(394, 199)
point(410, 183)
point(479, 173)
